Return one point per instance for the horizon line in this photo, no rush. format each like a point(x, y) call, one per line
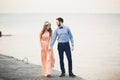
point(57, 13)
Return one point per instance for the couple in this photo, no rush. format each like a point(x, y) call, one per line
point(47, 40)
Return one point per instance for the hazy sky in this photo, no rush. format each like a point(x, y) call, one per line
point(59, 6)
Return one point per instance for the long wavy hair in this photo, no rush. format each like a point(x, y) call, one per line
point(45, 28)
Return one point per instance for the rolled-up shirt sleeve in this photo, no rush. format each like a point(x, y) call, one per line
point(71, 37)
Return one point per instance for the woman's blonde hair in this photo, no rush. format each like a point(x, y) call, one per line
point(44, 29)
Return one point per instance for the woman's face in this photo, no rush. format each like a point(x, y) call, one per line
point(48, 26)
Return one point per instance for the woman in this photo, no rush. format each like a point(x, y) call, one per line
point(47, 56)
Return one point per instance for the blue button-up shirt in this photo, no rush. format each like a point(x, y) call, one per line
point(62, 35)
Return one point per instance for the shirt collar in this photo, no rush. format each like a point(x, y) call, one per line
point(61, 27)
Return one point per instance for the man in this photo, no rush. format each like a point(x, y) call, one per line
point(63, 35)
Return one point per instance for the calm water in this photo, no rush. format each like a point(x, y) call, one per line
point(97, 41)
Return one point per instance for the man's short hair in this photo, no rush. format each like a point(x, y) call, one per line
point(60, 19)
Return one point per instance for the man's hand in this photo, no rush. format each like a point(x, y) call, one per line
point(50, 48)
point(72, 48)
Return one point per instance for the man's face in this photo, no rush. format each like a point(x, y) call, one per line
point(58, 23)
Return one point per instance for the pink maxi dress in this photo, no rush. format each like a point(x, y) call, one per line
point(47, 56)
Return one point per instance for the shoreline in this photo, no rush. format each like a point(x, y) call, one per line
point(12, 68)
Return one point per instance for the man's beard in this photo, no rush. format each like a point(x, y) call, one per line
point(59, 24)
